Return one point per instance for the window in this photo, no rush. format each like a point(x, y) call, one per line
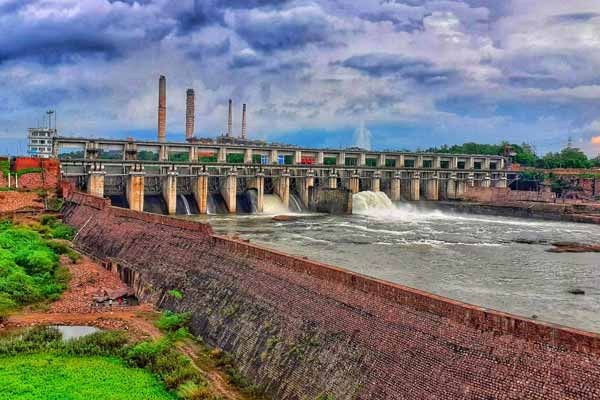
point(371, 162)
point(461, 165)
point(445, 164)
point(427, 163)
point(330, 160)
point(477, 165)
point(493, 165)
point(409, 163)
point(390, 163)
point(351, 162)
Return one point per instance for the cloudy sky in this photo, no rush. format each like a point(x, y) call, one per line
point(416, 72)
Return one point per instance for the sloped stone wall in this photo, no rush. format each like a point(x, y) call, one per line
point(301, 329)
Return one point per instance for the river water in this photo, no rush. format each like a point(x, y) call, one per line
point(470, 258)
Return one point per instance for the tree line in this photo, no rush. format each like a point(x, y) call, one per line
point(524, 154)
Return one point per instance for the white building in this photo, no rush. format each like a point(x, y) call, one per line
point(40, 142)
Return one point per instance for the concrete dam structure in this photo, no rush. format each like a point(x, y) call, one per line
point(303, 329)
point(133, 173)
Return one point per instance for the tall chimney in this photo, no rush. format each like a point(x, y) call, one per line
point(162, 108)
point(244, 127)
point(189, 114)
point(230, 119)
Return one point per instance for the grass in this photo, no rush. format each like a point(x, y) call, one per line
point(5, 167)
point(49, 376)
point(28, 171)
point(29, 267)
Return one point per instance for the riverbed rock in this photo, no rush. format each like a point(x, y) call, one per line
point(577, 291)
point(569, 247)
point(284, 218)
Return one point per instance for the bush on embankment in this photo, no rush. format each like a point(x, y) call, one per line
point(158, 357)
point(29, 263)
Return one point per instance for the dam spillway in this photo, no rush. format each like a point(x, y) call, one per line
point(301, 329)
point(306, 177)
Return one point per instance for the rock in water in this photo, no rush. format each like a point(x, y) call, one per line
point(284, 218)
point(577, 291)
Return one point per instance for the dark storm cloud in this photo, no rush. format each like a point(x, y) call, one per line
point(270, 31)
point(244, 60)
point(578, 17)
point(381, 65)
point(54, 35)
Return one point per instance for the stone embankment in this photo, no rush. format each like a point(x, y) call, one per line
point(303, 329)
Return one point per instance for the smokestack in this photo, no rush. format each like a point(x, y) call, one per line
point(189, 114)
point(244, 127)
point(230, 119)
point(162, 108)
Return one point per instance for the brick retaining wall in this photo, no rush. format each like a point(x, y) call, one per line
point(302, 328)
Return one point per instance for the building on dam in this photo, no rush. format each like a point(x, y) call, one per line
point(234, 173)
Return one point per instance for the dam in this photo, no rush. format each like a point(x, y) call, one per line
point(302, 329)
point(234, 176)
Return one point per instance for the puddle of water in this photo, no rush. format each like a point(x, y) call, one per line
point(74, 332)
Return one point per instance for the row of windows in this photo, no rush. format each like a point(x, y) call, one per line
point(40, 141)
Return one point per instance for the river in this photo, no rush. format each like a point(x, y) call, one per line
point(470, 258)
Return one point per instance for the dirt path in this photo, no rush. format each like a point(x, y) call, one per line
point(88, 279)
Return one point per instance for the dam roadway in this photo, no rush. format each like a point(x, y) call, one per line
point(303, 329)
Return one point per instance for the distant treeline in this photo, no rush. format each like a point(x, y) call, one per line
point(568, 157)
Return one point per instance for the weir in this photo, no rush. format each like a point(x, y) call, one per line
point(230, 169)
point(301, 328)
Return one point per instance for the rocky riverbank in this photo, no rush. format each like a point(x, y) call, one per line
point(585, 213)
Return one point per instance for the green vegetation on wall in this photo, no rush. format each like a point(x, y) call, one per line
point(5, 167)
point(235, 158)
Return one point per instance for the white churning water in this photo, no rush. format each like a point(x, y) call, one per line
point(274, 205)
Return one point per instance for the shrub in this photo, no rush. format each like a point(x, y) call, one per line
point(176, 294)
point(170, 321)
point(62, 231)
point(48, 220)
point(108, 343)
point(193, 391)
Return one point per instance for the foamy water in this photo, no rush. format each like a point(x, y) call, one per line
point(466, 257)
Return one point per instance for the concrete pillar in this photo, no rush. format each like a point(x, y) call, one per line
point(376, 183)
point(502, 182)
point(471, 163)
point(297, 157)
point(461, 188)
point(437, 162)
point(282, 188)
point(354, 183)
point(341, 159)
point(200, 189)
point(486, 163)
point(193, 154)
point(381, 160)
point(432, 189)
point(135, 188)
point(229, 191)
point(401, 161)
point(95, 183)
point(487, 180)
point(471, 179)
point(332, 181)
point(320, 158)
point(419, 162)
point(415, 186)
point(258, 183)
point(163, 153)
point(248, 156)
point(274, 157)
point(451, 187)
point(362, 159)
point(305, 185)
point(454, 163)
point(396, 188)
point(222, 155)
point(169, 190)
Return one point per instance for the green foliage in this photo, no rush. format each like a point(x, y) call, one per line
point(5, 167)
point(170, 321)
point(52, 376)
point(193, 391)
point(29, 171)
point(29, 268)
point(176, 294)
point(566, 158)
